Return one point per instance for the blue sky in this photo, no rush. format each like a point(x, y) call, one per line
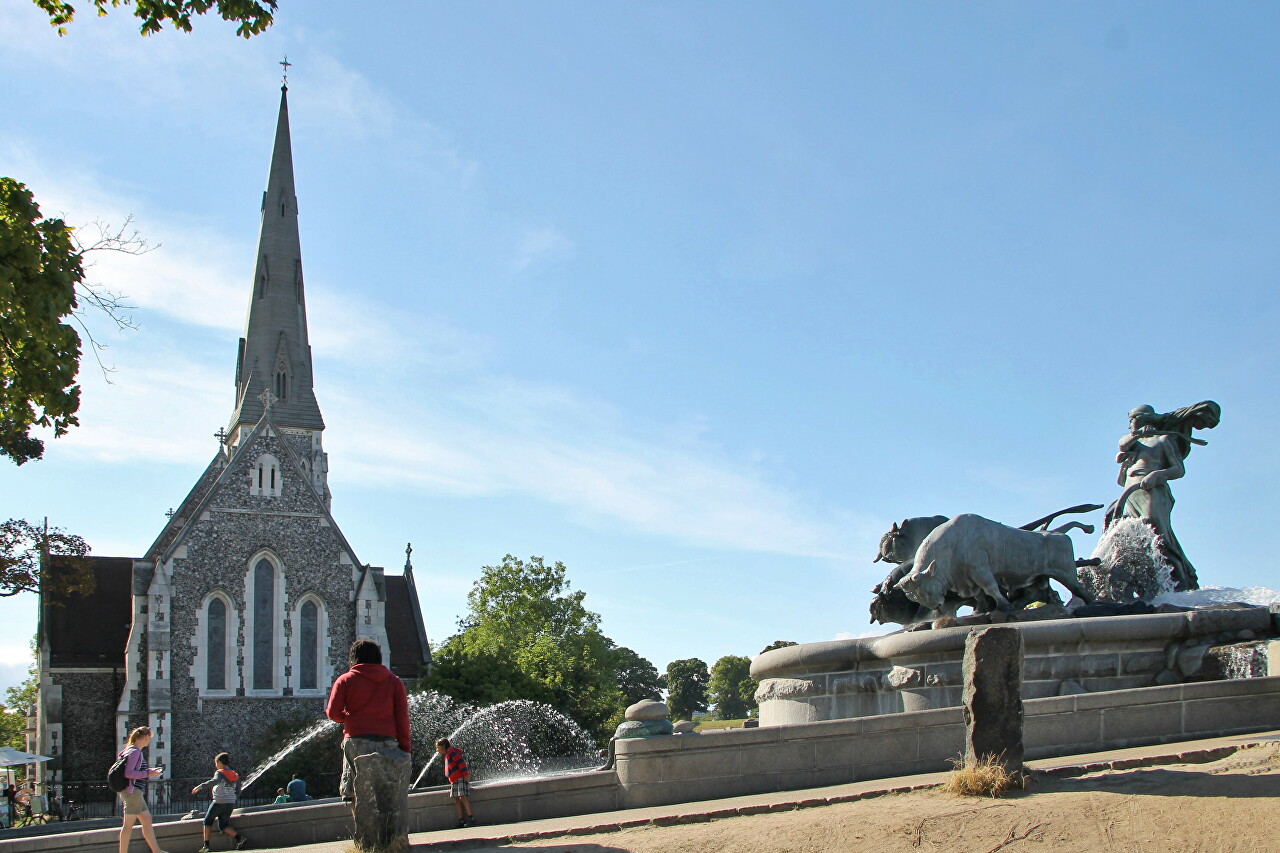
point(696, 298)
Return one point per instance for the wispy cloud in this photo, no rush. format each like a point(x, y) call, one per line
point(542, 245)
point(448, 420)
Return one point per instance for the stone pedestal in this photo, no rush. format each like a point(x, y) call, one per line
point(381, 808)
point(992, 697)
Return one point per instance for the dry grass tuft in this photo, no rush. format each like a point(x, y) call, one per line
point(987, 778)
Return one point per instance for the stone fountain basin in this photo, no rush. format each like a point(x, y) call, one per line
point(919, 670)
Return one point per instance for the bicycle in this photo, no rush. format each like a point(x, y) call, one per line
point(23, 816)
point(70, 810)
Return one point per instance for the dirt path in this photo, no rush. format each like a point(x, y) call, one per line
point(1229, 805)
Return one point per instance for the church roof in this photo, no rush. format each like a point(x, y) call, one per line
point(275, 339)
point(409, 651)
point(90, 629)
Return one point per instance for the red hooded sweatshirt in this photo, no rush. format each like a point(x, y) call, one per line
point(369, 700)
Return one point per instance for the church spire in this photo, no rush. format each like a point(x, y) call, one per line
point(274, 353)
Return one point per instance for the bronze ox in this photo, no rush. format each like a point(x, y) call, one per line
point(899, 546)
point(971, 557)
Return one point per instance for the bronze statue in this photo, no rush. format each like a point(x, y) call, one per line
point(1151, 454)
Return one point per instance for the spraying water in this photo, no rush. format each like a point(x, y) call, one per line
point(510, 739)
point(1132, 564)
point(319, 728)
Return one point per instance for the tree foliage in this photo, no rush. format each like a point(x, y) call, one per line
point(253, 16)
point(13, 716)
point(527, 635)
point(42, 291)
point(686, 682)
point(637, 678)
point(21, 545)
point(778, 644)
point(39, 353)
point(731, 688)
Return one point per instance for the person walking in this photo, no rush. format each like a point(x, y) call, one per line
point(455, 770)
point(222, 789)
point(371, 703)
point(134, 795)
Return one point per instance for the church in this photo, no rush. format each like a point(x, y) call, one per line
point(242, 610)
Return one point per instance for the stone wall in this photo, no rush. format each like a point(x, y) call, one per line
point(88, 741)
point(234, 725)
point(918, 670)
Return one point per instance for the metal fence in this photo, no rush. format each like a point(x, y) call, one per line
point(164, 796)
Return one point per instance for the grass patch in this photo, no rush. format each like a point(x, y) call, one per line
point(707, 725)
point(987, 778)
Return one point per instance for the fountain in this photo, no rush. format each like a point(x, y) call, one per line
point(508, 740)
point(1138, 618)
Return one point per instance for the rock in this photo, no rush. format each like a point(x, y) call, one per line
point(647, 709)
point(685, 727)
point(643, 728)
point(992, 696)
point(751, 724)
point(1071, 688)
point(904, 676)
point(997, 617)
point(1167, 676)
point(1171, 608)
point(945, 622)
point(381, 808)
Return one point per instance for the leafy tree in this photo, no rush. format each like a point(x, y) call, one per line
point(254, 16)
point(13, 716)
point(39, 354)
point(777, 644)
point(731, 688)
point(476, 675)
point(42, 286)
point(527, 635)
point(686, 682)
point(21, 545)
point(637, 677)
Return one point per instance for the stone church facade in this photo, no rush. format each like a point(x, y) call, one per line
point(242, 611)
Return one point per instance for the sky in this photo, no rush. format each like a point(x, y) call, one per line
point(695, 298)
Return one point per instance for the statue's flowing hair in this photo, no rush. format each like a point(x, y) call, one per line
point(1203, 415)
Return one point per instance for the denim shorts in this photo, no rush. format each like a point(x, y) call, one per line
point(219, 813)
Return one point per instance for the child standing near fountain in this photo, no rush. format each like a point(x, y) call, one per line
point(223, 788)
point(455, 770)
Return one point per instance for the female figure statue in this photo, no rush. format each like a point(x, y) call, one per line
point(1152, 454)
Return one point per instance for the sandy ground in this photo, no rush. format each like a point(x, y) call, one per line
point(1232, 804)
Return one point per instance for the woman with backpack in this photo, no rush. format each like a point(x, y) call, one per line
point(133, 796)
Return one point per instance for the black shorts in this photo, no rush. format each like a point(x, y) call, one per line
point(219, 813)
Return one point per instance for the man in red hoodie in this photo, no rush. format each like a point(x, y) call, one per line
point(370, 702)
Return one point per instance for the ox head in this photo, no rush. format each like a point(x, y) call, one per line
point(924, 586)
point(892, 546)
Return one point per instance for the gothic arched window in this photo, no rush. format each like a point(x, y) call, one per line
point(264, 591)
point(282, 385)
point(216, 646)
point(308, 646)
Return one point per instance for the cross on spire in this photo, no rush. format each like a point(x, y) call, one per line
point(221, 435)
point(285, 64)
point(268, 399)
point(169, 513)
